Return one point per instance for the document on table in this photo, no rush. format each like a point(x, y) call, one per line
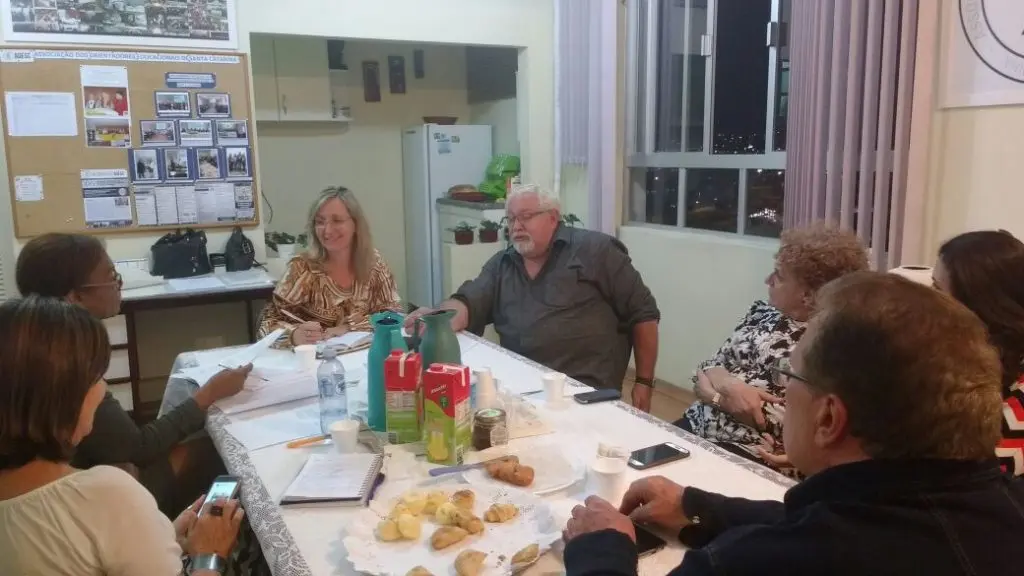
point(277, 428)
point(274, 391)
point(349, 339)
point(193, 284)
point(249, 354)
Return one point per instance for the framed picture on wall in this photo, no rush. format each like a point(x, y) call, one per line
point(238, 162)
point(176, 164)
point(145, 165)
point(213, 105)
point(371, 81)
point(209, 165)
point(173, 104)
point(158, 133)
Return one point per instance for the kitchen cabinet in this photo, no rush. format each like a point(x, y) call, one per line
point(291, 79)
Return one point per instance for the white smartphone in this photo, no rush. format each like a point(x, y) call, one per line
point(223, 487)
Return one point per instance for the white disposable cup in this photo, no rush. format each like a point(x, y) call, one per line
point(554, 388)
point(345, 434)
point(608, 479)
point(306, 354)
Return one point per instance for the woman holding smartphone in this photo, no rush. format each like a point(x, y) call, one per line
point(60, 520)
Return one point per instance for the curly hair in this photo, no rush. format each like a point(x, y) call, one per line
point(820, 253)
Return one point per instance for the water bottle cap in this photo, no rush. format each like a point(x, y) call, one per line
point(329, 353)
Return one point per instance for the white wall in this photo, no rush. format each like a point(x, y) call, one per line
point(974, 163)
point(298, 161)
point(514, 23)
point(704, 283)
point(503, 115)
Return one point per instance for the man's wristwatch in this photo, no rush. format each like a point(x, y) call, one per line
point(649, 382)
point(199, 562)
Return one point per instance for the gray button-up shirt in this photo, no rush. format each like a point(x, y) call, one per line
point(576, 316)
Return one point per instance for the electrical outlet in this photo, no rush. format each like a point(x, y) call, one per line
point(209, 342)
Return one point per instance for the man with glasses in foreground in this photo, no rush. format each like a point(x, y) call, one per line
point(564, 297)
point(893, 413)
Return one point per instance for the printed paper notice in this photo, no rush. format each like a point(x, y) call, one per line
point(41, 114)
point(107, 204)
point(28, 188)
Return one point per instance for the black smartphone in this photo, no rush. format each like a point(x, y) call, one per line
point(224, 486)
point(647, 542)
point(657, 455)
point(597, 396)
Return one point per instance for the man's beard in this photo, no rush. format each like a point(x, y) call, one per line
point(524, 246)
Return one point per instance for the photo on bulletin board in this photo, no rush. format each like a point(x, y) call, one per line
point(238, 162)
point(205, 24)
point(158, 133)
point(208, 163)
point(176, 164)
point(145, 165)
point(232, 133)
point(195, 133)
point(105, 101)
point(173, 104)
point(213, 105)
point(108, 133)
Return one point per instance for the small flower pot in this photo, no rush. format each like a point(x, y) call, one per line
point(463, 237)
point(488, 236)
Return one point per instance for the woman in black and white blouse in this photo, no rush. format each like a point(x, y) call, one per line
point(739, 401)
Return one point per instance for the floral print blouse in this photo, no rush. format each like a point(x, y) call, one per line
point(306, 291)
point(763, 338)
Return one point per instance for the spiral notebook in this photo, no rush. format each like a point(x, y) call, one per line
point(342, 479)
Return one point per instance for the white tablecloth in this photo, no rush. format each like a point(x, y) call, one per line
point(308, 541)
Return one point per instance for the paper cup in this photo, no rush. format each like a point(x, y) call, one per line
point(607, 479)
point(306, 354)
point(345, 434)
point(554, 388)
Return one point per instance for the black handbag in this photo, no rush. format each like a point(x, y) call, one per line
point(239, 253)
point(180, 254)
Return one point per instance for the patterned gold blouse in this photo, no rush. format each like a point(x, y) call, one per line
point(306, 291)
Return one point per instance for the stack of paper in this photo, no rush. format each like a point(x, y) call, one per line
point(283, 388)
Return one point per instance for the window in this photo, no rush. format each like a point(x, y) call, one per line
point(708, 99)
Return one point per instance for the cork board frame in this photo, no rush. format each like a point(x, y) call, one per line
point(60, 160)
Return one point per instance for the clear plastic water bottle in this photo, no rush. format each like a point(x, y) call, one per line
point(330, 377)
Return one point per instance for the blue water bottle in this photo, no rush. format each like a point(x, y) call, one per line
point(330, 377)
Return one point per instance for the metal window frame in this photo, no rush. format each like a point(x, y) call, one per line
point(641, 113)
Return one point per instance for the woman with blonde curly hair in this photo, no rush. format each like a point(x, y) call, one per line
point(739, 400)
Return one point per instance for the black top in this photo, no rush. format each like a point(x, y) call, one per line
point(576, 316)
point(116, 439)
point(871, 518)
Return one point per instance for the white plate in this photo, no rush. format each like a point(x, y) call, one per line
point(536, 524)
point(553, 469)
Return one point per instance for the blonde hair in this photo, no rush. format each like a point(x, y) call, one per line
point(362, 242)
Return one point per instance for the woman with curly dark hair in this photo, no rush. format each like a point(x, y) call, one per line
point(984, 270)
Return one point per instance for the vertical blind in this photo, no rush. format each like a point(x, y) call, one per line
point(849, 122)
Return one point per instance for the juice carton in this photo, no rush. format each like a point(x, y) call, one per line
point(447, 420)
point(403, 396)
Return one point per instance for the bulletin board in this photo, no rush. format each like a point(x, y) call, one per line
point(127, 141)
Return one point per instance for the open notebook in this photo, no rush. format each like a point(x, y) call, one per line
point(344, 479)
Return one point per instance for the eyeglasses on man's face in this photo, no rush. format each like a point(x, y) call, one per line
point(523, 218)
point(115, 280)
point(782, 373)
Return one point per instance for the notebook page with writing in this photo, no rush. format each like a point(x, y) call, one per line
point(333, 477)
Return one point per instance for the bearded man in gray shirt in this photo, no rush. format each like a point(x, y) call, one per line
point(567, 298)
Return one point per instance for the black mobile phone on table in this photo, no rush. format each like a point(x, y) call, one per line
point(657, 455)
point(223, 487)
point(597, 396)
point(647, 542)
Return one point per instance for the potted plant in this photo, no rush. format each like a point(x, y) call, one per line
point(571, 220)
point(463, 233)
point(489, 231)
point(281, 242)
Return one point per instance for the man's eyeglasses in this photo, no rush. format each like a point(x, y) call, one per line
point(115, 281)
point(524, 218)
point(781, 371)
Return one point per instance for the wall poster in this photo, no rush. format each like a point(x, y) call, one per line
point(984, 53)
point(182, 23)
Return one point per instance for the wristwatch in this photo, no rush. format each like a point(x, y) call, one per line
point(649, 382)
point(199, 562)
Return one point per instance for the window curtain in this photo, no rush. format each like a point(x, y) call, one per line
point(849, 122)
point(586, 60)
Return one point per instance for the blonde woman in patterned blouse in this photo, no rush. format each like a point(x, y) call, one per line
point(739, 399)
point(338, 283)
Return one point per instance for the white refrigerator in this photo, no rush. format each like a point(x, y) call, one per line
point(435, 158)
